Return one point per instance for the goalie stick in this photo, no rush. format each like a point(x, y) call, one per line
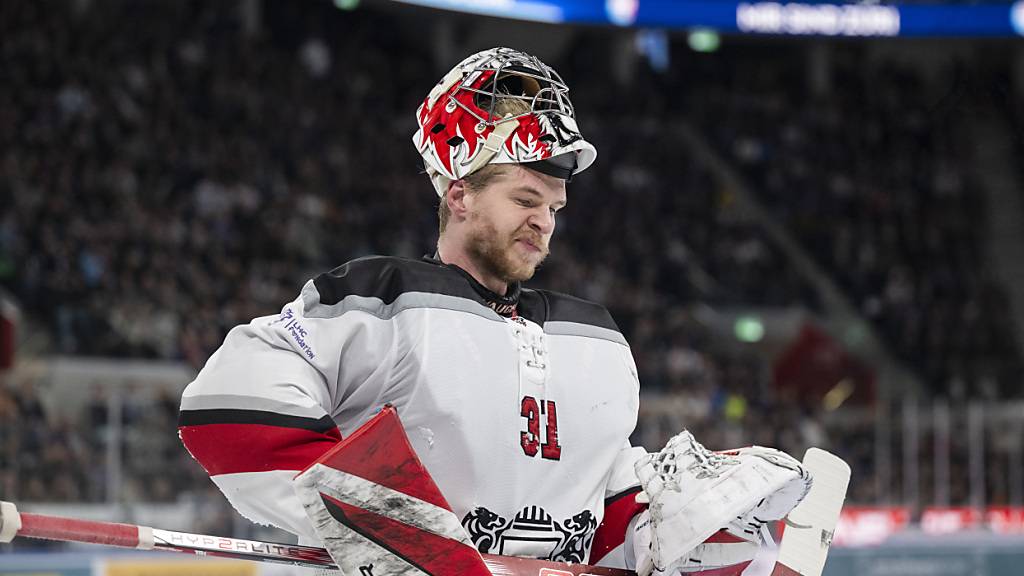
point(812, 524)
point(802, 552)
point(26, 525)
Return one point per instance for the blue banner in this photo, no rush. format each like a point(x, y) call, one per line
point(809, 18)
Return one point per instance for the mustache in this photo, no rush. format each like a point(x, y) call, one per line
point(535, 239)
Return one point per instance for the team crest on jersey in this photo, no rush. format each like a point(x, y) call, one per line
point(531, 530)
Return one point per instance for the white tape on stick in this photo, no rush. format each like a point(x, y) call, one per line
point(10, 521)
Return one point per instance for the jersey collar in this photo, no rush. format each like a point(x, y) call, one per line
point(505, 305)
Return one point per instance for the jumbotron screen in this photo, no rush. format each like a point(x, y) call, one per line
point(764, 17)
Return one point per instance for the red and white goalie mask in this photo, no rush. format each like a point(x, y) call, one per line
point(463, 126)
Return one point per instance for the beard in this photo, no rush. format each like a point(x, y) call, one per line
point(500, 256)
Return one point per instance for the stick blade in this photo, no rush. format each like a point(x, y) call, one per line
point(808, 536)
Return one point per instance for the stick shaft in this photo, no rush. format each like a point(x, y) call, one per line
point(221, 546)
point(141, 537)
point(145, 538)
point(73, 530)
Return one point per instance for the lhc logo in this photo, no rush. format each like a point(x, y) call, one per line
point(1017, 17)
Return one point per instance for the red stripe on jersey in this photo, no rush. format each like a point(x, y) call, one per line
point(236, 448)
point(618, 511)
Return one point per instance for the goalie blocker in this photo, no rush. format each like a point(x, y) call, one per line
point(378, 511)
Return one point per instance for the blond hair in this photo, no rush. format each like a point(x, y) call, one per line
point(477, 181)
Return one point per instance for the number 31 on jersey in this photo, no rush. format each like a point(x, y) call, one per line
point(540, 414)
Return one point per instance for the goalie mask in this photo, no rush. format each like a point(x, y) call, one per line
point(469, 120)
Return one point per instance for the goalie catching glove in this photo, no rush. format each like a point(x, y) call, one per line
point(694, 493)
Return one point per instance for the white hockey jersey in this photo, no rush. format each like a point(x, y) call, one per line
point(522, 418)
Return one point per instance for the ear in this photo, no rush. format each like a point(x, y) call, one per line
point(456, 198)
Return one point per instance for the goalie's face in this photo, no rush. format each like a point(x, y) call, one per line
point(509, 223)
